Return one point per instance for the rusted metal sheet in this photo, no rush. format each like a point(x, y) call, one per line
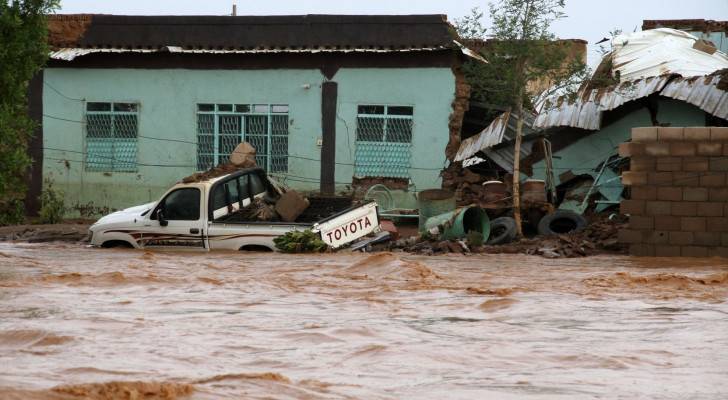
point(502, 129)
point(586, 112)
point(702, 92)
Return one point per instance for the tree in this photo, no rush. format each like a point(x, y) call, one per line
point(521, 51)
point(23, 51)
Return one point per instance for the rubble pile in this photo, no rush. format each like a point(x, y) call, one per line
point(45, 233)
point(598, 237)
point(467, 185)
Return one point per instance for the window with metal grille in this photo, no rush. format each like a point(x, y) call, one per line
point(111, 136)
point(221, 127)
point(383, 140)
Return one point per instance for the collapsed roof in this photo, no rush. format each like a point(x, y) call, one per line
point(672, 63)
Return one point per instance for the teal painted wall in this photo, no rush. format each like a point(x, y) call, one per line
point(168, 100)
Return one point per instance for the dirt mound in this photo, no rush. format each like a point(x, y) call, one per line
point(663, 285)
point(387, 266)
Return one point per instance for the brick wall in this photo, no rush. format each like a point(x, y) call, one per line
point(679, 192)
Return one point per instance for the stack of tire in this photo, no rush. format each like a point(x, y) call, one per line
point(503, 230)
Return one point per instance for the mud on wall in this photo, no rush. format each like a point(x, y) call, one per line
point(679, 192)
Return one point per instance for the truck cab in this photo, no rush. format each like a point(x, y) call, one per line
point(212, 214)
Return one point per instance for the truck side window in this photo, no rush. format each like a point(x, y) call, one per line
point(182, 205)
point(256, 185)
point(244, 185)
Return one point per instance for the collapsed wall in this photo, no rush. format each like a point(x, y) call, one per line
point(679, 192)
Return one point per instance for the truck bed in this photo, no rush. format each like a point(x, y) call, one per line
point(319, 209)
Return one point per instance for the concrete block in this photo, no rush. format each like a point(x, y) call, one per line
point(644, 192)
point(642, 223)
point(659, 178)
point(670, 133)
point(290, 205)
point(631, 149)
point(685, 209)
point(686, 178)
point(693, 224)
point(695, 194)
point(718, 252)
point(717, 224)
point(667, 251)
point(642, 250)
point(630, 236)
point(642, 164)
point(632, 207)
point(698, 164)
point(658, 208)
point(694, 251)
point(668, 164)
point(711, 209)
point(709, 149)
point(389, 226)
point(713, 179)
point(656, 237)
point(706, 238)
point(669, 193)
point(681, 238)
point(682, 149)
point(718, 194)
point(718, 134)
point(657, 149)
point(630, 178)
point(696, 133)
point(645, 134)
point(667, 223)
point(719, 164)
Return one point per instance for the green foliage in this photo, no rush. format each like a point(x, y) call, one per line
point(300, 242)
point(520, 50)
point(52, 207)
point(23, 51)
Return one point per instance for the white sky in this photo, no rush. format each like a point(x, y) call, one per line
point(586, 19)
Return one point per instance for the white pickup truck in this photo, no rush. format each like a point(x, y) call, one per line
point(205, 215)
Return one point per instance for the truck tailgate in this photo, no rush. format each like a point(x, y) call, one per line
point(348, 225)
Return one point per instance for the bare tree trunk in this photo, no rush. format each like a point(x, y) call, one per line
point(519, 92)
point(517, 171)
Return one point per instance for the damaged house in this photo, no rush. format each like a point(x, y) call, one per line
point(128, 105)
point(658, 77)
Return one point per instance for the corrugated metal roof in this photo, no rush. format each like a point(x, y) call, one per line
point(502, 129)
point(662, 51)
point(646, 62)
point(586, 111)
point(69, 54)
point(702, 92)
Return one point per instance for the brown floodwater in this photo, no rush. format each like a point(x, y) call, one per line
point(82, 323)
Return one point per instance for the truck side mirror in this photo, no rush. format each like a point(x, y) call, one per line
point(160, 218)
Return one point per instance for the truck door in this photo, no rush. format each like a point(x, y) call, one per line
point(176, 222)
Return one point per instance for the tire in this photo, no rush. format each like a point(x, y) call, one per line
point(560, 222)
point(502, 230)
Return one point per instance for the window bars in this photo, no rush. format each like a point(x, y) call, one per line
point(383, 141)
point(111, 136)
point(221, 127)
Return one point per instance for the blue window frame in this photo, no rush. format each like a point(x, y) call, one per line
point(111, 136)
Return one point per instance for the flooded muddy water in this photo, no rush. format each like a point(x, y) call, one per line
point(81, 323)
